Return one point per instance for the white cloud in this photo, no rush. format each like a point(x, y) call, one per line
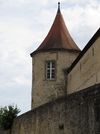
point(16, 39)
point(83, 21)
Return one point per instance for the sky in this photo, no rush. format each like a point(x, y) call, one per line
point(23, 26)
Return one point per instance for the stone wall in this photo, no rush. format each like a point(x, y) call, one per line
point(77, 113)
point(87, 71)
point(44, 90)
point(5, 132)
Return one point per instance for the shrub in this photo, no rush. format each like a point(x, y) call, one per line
point(7, 115)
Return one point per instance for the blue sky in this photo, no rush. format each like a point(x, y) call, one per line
point(23, 26)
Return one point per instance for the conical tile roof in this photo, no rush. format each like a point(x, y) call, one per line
point(58, 37)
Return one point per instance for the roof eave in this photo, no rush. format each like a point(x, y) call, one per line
point(54, 49)
point(89, 44)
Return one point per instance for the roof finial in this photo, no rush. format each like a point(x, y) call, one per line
point(58, 7)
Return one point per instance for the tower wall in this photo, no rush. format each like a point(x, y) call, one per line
point(44, 90)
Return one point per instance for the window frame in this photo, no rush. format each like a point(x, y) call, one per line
point(50, 70)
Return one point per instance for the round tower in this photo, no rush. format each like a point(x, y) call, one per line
point(55, 54)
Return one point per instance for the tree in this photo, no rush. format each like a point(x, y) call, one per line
point(7, 115)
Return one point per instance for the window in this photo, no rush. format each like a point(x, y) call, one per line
point(50, 70)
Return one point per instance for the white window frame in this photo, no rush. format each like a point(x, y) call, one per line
point(50, 70)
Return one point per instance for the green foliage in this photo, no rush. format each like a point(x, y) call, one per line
point(7, 115)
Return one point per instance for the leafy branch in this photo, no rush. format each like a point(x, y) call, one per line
point(7, 115)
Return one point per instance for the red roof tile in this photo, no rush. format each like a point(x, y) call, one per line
point(58, 36)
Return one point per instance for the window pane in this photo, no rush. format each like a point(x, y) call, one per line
point(48, 76)
point(53, 64)
point(48, 64)
point(48, 73)
point(53, 74)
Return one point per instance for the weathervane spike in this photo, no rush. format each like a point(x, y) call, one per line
point(58, 6)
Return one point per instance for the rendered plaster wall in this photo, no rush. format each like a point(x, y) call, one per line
point(87, 71)
point(44, 90)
